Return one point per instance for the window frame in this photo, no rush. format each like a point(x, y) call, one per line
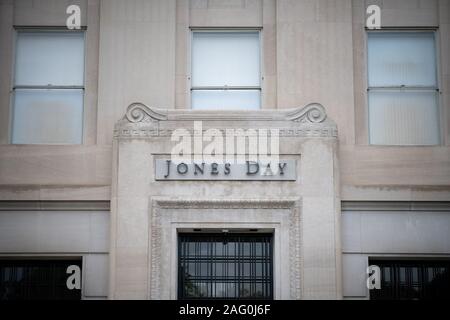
point(260, 88)
point(14, 87)
point(437, 88)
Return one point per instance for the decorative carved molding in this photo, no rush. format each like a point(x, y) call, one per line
point(143, 122)
point(157, 205)
point(139, 112)
point(312, 113)
point(295, 256)
point(224, 203)
point(324, 132)
point(155, 262)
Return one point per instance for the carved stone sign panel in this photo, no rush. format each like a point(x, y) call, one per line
point(284, 170)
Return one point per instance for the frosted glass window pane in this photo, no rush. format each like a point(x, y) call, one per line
point(48, 116)
point(55, 58)
point(226, 99)
point(225, 58)
point(403, 117)
point(406, 58)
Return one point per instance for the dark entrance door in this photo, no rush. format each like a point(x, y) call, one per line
point(225, 266)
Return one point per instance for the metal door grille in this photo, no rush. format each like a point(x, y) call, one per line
point(36, 279)
point(225, 266)
point(412, 280)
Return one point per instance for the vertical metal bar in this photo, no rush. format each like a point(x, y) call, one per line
point(239, 267)
point(209, 245)
point(197, 269)
point(182, 244)
point(180, 275)
point(271, 266)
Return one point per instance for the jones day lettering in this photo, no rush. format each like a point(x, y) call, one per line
point(252, 168)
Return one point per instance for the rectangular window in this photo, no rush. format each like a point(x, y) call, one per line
point(37, 279)
point(48, 88)
point(403, 94)
point(412, 280)
point(225, 266)
point(226, 70)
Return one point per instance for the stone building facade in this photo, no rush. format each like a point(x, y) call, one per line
point(365, 141)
